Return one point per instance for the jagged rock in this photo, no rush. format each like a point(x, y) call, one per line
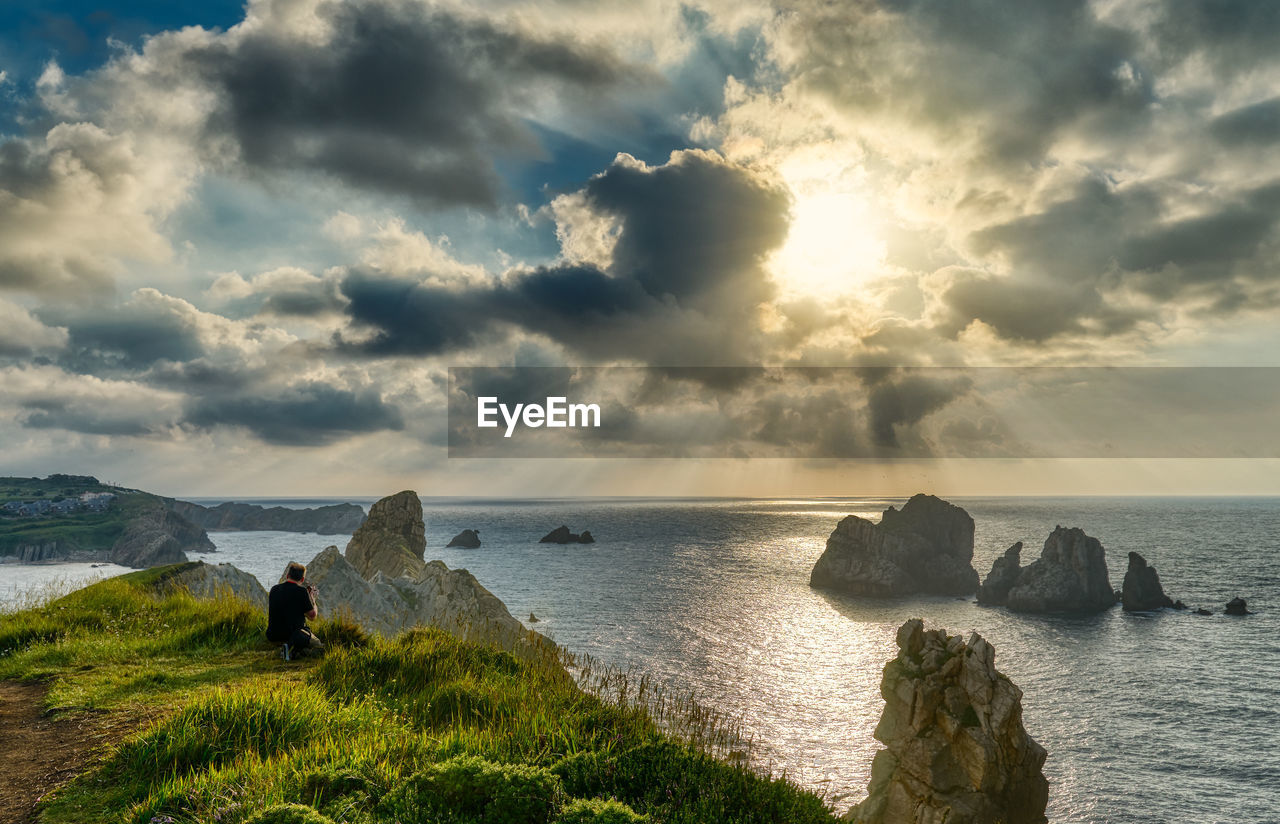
point(562, 535)
point(1069, 576)
point(1203, 611)
point(927, 547)
point(1004, 574)
point(956, 748)
point(335, 519)
point(452, 600)
point(467, 539)
point(392, 539)
point(1237, 606)
point(158, 536)
point(1142, 590)
point(533, 619)
point(211, 580)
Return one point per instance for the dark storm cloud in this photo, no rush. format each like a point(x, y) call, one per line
point(696, 227)
point(1258, 124)
point(130, 337)
point(1011, 77)
point(1234, 35)
point(900, 403)
point(687, 264)
point(403, 98)
point(53, 415)
point(306, 415)
point(1031, 311)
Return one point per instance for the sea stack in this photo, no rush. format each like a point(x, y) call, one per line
point(562, 535)
point(467, 539)
point(924, 548)
point(956, 750)
point(1142, 591)
point(392, 539)
point(1004, 574)
point(1069, 576)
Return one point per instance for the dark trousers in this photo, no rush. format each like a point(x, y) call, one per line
point(304, 640)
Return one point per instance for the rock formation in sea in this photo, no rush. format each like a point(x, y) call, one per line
point(1142, 590)
point(335, 519)
point(956, 750)
point(1069, 576)
point(1237, 606)
point(562, 535)
point(451, 599)
point(467, 539)
point(158, 536)
point(927, 547)
point(1004, 574)
point(392, 539)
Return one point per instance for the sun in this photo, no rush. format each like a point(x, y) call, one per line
point(832, 246)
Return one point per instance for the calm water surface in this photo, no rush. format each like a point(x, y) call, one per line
point(1147, 718)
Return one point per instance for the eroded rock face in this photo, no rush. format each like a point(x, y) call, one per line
point(1004, 574)
point(1069, 576)
point(158, 536)
point(467, 539)
point(452, 600)
point(927, 547)
point(956, 750)
point(1142, 590)
point(392, 539)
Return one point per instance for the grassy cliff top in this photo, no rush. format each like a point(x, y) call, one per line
point(420, 728)
point(51, 487)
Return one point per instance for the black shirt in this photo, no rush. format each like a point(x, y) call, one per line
point(287, 608)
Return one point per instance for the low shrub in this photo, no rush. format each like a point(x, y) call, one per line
point(289, 814)
point(598, 811)
point(472, 789)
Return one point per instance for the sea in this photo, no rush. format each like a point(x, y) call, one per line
point(1160, 717)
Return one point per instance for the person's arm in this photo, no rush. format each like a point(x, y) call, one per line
point(311, 596)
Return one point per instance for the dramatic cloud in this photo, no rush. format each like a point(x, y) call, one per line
point(306, 415)
point(396, 97)
point(684, 278)
point(73, 206)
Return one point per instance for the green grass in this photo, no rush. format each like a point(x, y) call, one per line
point(419, 728)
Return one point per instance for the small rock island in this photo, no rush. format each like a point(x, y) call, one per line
point(924, 548)
point(562, 535)
point(1069, 576)
point(466, 539)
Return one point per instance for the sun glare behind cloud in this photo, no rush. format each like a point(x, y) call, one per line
point(833, 244)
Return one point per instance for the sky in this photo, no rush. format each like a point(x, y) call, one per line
point(242, 246)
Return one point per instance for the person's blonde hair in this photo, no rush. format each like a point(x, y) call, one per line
point(295, 571)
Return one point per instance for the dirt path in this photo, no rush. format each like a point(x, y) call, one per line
point(39, 754)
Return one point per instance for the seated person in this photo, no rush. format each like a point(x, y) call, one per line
point(289, 605)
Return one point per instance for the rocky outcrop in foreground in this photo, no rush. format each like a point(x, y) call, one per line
point(335, 519)
point(956, 748)
point(927, 547)
point(1069, 576)
point(158, 536)
point(212, 580)
point(1142, 591)
point(452, 600)
point(392, 539)
point(467, 539)
point(562, 535)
